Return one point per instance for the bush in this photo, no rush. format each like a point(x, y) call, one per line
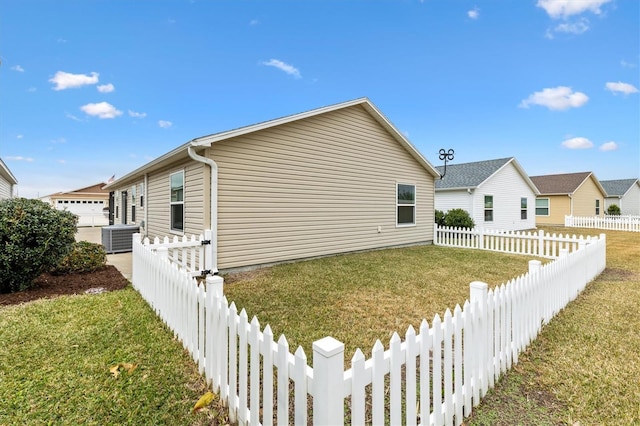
point(33, 238)
point(458, 218)
point(84, 257)
point(613, 210)
point(440, 216)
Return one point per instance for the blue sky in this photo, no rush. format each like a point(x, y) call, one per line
point(91, 89)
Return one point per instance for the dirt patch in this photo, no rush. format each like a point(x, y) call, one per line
point(47, 286)
point(235, 277)
point(617, 274)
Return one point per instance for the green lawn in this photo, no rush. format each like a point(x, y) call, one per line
point(56, 354)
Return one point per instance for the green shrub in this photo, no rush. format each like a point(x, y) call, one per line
point(440, 218)
point(84, 257)
point(613, 210)
point(458, 218)
point(33, 238)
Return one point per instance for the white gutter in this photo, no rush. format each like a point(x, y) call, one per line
point(214, 203)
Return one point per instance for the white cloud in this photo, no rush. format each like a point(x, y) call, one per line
point(64, 80)
point(164, 124)
point(20, 136)
point(556, 98)
point(609, 146)
point(474, 13)
point(621, 87)
point(137, 114)
point(577, 27)
point(19, 158)
point(577, 143)
point(625, 64)
point(72, 117)
point(106, 88)
point(32, 90)
point(289, 69)
point(101, 110)
point(59, 140)
point(254, 22)
point(17, 68)
point(565, 8)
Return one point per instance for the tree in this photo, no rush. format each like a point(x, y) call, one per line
point(34, 237)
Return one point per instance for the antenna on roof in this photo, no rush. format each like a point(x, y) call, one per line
point(446, 156)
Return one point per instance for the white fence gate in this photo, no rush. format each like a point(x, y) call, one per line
point(434, 377)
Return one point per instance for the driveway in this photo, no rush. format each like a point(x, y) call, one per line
point(122, 261)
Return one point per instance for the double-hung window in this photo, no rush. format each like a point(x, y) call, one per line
point(488, 208)
point(523, 208)
point(133, 204)
point(542, 207)
point(177, 201)
point(405, 204)
point(597, 207)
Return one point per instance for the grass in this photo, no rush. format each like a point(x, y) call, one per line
point(359, 298)
point(584, 367)
point(56, 359)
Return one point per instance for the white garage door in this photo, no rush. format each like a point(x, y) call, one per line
point(89, 212)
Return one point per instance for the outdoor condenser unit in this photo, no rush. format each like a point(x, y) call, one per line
point(118, 238)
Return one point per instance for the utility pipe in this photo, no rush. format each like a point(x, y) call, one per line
point(214, 203)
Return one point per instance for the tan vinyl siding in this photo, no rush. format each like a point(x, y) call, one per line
point(584, 199)
point(314, 187)
point(158, 199)
point(559, 206)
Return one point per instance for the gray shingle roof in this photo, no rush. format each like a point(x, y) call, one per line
point(618, 186)
point(469, 175)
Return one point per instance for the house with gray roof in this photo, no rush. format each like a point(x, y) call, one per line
point(625, 193)
point(498, 194)
point(7, 181)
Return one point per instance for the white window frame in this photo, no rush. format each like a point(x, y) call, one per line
point(486, 209)
point(548, 207)
point(598, 207)
point(174, 203)
point(524, 209)
point(414, 205)
point(133, 203)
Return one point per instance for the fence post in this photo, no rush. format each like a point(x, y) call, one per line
point(216, 285)
point(209, 252)
point(483, 340)
point(163, 253)
point(540, 243)
point(328, 384)
point(535, 265)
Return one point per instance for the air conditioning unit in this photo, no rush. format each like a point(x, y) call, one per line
point(118, 238)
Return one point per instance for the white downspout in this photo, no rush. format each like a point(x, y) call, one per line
point(214, 204)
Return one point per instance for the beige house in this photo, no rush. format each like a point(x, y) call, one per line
point(7, 181)
point(90, 204)
point(571, 194)
point(336, 179)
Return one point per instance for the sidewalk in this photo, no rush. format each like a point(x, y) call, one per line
point(122, 261)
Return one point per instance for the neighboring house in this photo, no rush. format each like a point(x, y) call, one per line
point(7, 181)
point(570, 194)
point(90, 204)
point(336, 179)
point(625, 193)
point(498, 194)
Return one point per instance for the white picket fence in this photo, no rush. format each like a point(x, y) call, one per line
point(434, 377)
point(614, 223)
point(189, 253)
point(531, 243)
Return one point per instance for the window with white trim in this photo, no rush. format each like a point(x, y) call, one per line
point(405, 204)
point(523, 208)
point(597, 207)
point(542, 207)
point(488, 208)
point(133, 204)
point(177, 201)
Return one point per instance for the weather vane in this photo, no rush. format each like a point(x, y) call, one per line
point(446, 156)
